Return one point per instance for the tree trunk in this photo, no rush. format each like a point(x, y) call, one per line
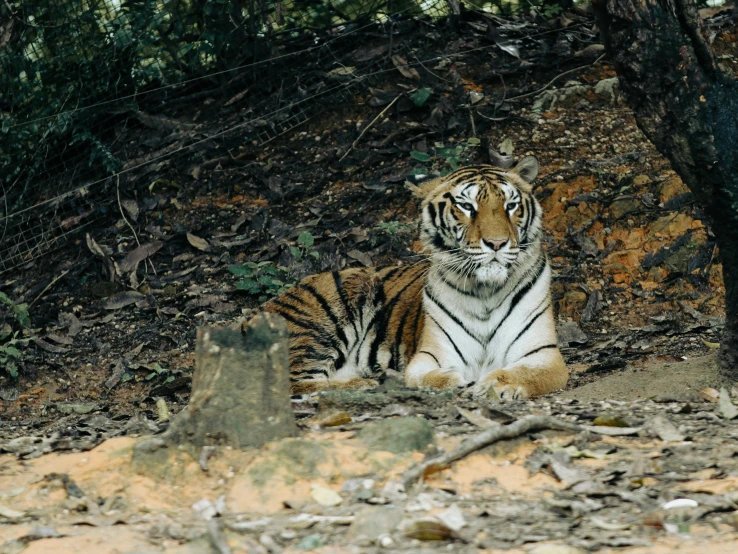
point(688, 107)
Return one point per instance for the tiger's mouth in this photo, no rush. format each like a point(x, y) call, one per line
point(505, 259)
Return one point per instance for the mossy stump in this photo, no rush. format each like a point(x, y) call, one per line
point(240, 389)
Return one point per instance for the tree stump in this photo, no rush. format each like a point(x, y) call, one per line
point(240, 389)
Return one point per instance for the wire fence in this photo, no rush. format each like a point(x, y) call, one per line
point(95, 92)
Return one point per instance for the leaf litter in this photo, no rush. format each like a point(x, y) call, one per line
point(616, 293)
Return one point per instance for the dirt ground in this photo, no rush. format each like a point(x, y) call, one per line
point(337, 489)
point(637, 291)
point(651, 378)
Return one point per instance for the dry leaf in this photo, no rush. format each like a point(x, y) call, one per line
point(197, 242)
point(711, 344)
point(709, 394)
point(361, 257)
point(610, 421)
point(131, 208)
point(404, 68)
point(428, 530)
point(123, 299)
point(139, 254)
point(335, 419)
point(43, 345)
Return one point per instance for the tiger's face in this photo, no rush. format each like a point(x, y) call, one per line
point(477, 220)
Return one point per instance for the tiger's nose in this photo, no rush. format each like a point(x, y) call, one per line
point(496, 244)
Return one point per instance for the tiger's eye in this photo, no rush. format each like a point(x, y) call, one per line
point(512, 206)
point(466, 206)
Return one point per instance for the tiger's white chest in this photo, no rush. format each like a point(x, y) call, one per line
point(476, 334)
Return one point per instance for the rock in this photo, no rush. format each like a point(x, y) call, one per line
point(325, 496)
point(624, 206)
point(671, 189)
point(372, 523)
point(677, 256)
point(572, 303)
point(640, 180)
point(664, 429)
point(673, 225)
point(608, 90)
point(570, 333)
point(453, 518)
point(398, 435)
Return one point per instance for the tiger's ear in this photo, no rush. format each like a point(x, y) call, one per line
point(423, 188)
point(527, 169)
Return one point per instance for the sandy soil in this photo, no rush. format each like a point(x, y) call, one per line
point(651, 378)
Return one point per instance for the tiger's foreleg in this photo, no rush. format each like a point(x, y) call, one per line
point(540, 373)
point(426, 370)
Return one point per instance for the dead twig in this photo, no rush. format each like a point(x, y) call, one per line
point(47, 287)
point(353, 144)
point(493, 435)
point(123, 215)
point(551, 82)
point(217, 540)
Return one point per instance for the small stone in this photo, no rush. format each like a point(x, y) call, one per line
point(727, 408)
point(373, 523)
point(570, 333)
point(398, 435)
point(205, 508)
point(665, 429)
point(608, 90)
point(453, 518)
point(325, 496)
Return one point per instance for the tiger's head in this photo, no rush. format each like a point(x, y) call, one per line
point(479, 220)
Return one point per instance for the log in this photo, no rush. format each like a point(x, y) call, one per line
point(687, 106)
point(240, 389)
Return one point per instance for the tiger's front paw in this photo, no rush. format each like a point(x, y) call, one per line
point(443, 379)
point(500, 384)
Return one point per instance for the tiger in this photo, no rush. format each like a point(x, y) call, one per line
point(475, 314)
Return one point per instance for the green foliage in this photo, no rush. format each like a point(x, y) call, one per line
point(261, 279)
point(550, 10)
point(396, 231)
point(420, 96)
point(10, 354)
point(452, 155)
point(19, 311)
point(305, 241)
